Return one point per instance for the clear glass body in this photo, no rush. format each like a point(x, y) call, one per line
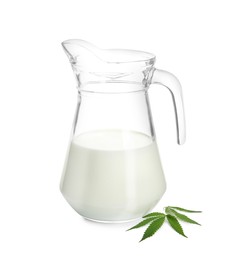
point(112, 171)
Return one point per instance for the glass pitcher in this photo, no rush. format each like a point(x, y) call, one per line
point(112, 171)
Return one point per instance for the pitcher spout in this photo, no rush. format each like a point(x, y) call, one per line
point(81, 51)
point(87, 57)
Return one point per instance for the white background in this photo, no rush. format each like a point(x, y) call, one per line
point(192, 39)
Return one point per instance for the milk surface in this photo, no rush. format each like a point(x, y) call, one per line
point(113, 175)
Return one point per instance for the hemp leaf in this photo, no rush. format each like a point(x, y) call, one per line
point(153, 228)
point(183, 217)
point(154, 214)
point(156, 219)
point(142, 223)
point(175, 224)
point(184, 210)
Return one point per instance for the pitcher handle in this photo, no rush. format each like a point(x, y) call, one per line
point(169, 81)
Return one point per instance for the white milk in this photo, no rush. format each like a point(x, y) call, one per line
point(113, 175)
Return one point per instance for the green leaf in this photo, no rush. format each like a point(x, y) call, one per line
point(153, 227)
point(154, 214)
point(184, 217)
point(184, 210)
point(175, 224)
point(142, 223)
point(155, 220)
